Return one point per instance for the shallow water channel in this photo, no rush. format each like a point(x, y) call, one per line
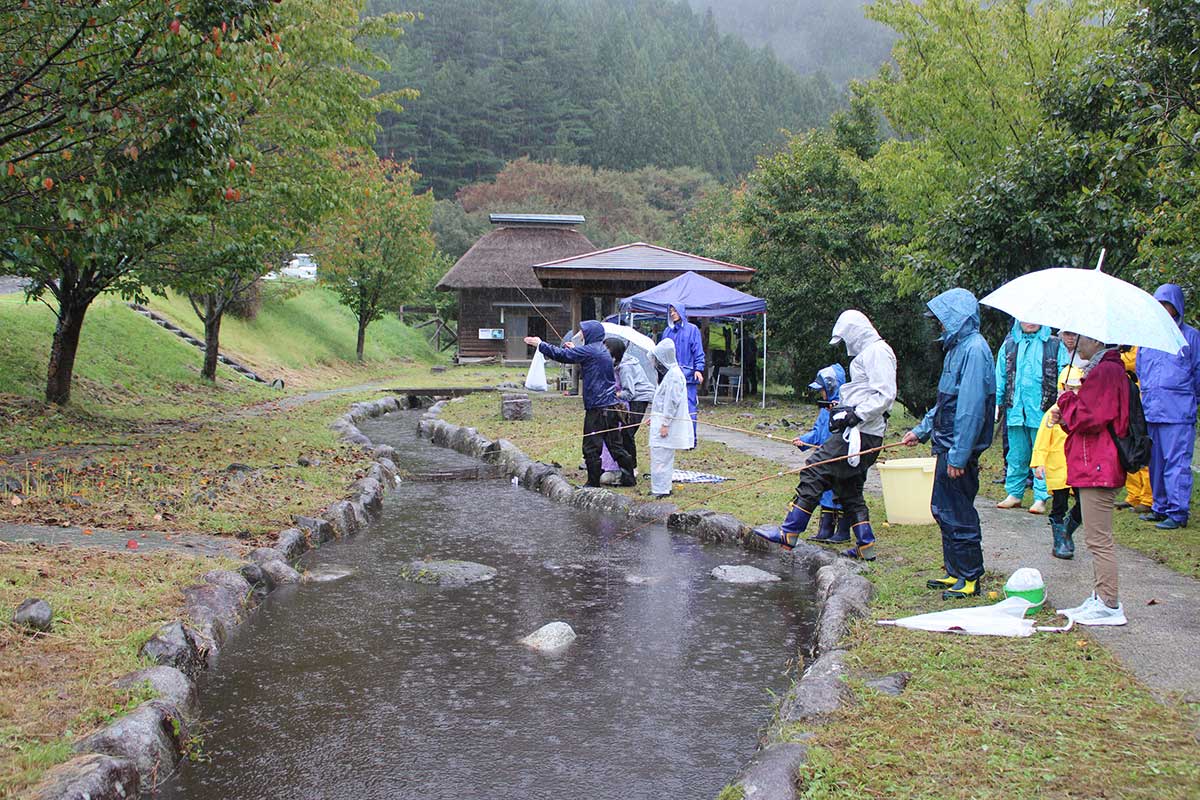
point(374, 687)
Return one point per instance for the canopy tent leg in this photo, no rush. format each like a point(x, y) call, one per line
point(764, 367)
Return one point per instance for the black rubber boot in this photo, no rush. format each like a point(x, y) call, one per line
point(1058, 529)
point(594, 472)
point(627, 478)
point(961, 589)
point(1069, 529)
point(826, 526)
point(843, 530)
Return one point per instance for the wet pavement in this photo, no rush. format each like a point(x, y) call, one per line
point(376, 687)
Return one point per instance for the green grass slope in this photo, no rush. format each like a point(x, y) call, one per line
point(307, 329)
point(126, 367)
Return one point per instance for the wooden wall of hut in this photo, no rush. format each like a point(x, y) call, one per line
point(481, 309)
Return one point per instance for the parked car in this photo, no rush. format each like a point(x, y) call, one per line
point(300, 267)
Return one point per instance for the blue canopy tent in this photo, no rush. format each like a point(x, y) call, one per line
point(702, 297)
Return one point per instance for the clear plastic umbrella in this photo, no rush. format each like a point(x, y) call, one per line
point(1006, 618)
point(637, 343)
point(1089, 302)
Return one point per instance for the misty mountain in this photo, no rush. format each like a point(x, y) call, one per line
point(829, 36)
point(614, 84)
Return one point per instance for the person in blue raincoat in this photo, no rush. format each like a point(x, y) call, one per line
point(960, 425)
point(1027, 369)
point(828, 384)
point(689, 353)
point(1170, 387)
point(601, 416)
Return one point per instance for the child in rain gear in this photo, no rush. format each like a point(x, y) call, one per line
point(833, 527)
point(600, 416)
point(1049, 462)
point(859, 422)
point(633, 387)
point(689, 352)
point(1138, 494)
point(670, 425)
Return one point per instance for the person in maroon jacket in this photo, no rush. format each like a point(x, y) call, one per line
point(1095, 470)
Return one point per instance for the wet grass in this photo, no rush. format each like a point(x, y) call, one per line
point(57, 686)
point(1052, 716)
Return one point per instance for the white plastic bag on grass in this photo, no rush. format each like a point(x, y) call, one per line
point(536, 379)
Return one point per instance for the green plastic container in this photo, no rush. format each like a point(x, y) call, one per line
point(1027, 584)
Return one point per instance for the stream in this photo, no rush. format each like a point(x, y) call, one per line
point(374, 687)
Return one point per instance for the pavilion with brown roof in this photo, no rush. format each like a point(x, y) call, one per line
point(536, 275)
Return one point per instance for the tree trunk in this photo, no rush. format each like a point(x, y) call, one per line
point(363, 321)
point(212, 337)
point(62, 351)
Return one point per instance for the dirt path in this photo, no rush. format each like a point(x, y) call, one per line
point(118, 541)
point(1162, 640)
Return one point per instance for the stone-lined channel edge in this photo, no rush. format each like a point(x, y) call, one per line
point(842, 594)
point(137, 751)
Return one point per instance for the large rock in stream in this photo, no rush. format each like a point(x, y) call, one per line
point(742, 573)
point(447, 573)
point(550, 639)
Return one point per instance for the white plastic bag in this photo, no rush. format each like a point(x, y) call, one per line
point(536, 379)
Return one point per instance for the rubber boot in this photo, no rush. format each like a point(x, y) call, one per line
point(827, 525)
point(961, 589)
point(843, 530)
point(1058, 528)
point(942, 583)
point(787, 534)
point(864, 541)
point(1069, 529)
point(627, 478)
point(594, 471)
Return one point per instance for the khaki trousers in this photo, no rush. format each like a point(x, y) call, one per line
point(1097, 506)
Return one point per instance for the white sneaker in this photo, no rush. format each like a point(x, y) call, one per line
point(1038, 507)
point(1101, 614)
point(1079, 609)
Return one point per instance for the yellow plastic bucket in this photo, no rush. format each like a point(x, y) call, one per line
point(907, 489)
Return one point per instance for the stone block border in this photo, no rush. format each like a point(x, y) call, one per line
point(842, 595)
point(134, 753)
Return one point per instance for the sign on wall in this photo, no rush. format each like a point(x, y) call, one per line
point(491, 333)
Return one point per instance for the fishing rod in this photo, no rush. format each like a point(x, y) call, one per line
point(764, 479)
point(532, 304)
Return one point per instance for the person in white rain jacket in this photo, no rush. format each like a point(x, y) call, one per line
point(857, 425)
point(670, 424)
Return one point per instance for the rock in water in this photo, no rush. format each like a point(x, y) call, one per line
point(447, 573)
point(515, 406)
point(34, 614)
point(327, 573)
point(742, 573)
point(550, 639)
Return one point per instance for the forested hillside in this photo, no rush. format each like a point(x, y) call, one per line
point(833, 37)
point(620, 84)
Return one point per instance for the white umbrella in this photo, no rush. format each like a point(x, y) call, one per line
point(631, 335)
point(1089, 302)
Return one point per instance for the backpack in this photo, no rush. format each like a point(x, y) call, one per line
point(1133, 449)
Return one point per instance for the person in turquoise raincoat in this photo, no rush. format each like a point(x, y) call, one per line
point(960, 430)
point(1027, 369)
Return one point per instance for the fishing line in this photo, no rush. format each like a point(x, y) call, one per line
point(763, 479)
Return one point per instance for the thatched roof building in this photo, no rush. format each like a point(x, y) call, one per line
point(503, 258)
point(500, 300)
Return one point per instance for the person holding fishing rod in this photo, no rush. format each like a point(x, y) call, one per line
point(601, 416)
point(857, 426)
point(960, 425)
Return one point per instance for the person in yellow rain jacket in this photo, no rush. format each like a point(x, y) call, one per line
point(1049, 463)
point(1138, 495)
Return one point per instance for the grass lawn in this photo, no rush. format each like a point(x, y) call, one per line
point(57, 686)
point(1051, 716)
point(145, 444)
